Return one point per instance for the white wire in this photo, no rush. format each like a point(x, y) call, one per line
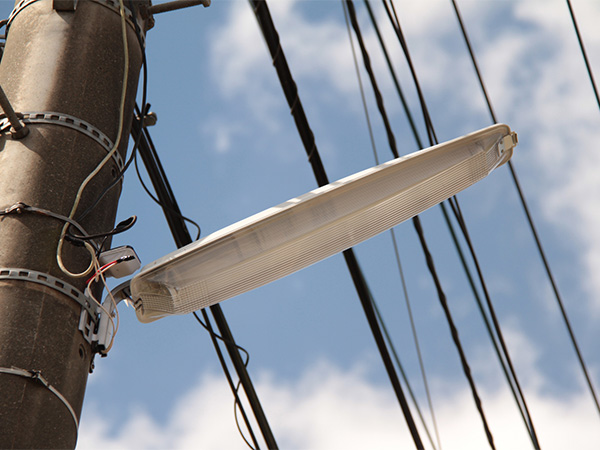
point(107, 158)
point(112, 308)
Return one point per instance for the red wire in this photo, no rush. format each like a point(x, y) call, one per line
point(101, 270)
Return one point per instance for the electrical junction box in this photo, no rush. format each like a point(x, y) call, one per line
point(128, 261)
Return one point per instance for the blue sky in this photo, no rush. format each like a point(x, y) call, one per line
point(230, 148)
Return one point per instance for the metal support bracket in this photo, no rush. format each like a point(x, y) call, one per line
point(65, 120)
point(99, 334)
point(88, 308)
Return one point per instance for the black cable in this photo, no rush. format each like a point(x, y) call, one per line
point(447, 219)
point(522, 195)
point(486, 321)
point(560, 303)
point(234, 387)
point(453, 330)
point(182, 237)
point(397, 254)
point(433, 139)
point(419, 229)
point(462, 224)
point(290, 90)
point(398, 30)
point(369, 69)
point(583, 52)
point(451, 228)
point(394, 76)
point(120, 228)
point(135, 129)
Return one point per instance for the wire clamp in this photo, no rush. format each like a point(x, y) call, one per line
point(507, 142)
point(88, 310)
point(65, 120)
point(100, 336)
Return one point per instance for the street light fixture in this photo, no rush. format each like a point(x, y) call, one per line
point(307, 229)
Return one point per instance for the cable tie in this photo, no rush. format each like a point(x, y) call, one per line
point(17, 207)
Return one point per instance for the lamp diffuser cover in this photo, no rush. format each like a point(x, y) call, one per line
point(304, 230)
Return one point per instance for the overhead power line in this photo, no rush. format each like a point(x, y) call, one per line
point(433, 140)
point(417, 224)
point(290, 90)
point(522, 195)
point(583, 53)
point(400, 270)
point(182, 237)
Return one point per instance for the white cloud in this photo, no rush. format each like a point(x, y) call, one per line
point(528, 55)
point(327, 408)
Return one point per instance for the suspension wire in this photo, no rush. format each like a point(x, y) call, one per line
point(182, 237)
point(405, 377)
point(400, 270)
point(290, 90)
point(444, 211)
point(486, 320)
point(367, 63)
point(433, 139)
point(583, 52)
point(409, 116)
point(537, 240)
point(522, 195)
point(450, 226)
point(417, 224)
point(447, 220)
point(453, 330)
point(529, 421)
point(398, 262)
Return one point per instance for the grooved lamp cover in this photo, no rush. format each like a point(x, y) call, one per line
point(304, 230)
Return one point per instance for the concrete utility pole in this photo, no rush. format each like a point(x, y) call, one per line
point(63, 69)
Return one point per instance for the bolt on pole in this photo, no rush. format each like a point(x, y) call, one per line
point(62, 71)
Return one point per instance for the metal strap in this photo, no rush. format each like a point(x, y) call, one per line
point(36, 375)
point(65, 120)
point(110, 4)
point(11, 273)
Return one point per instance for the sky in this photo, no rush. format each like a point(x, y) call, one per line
point(230, 148)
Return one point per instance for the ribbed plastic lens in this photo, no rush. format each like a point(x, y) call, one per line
point(316, 225)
